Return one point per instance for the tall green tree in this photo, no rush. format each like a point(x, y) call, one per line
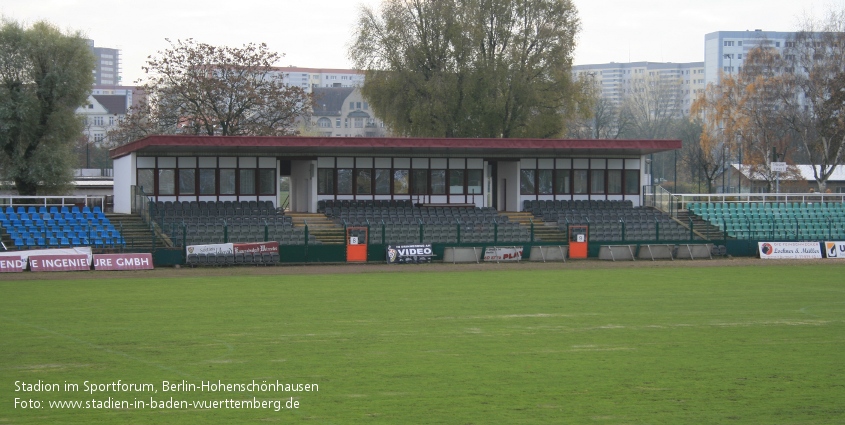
point(45, 74)
point(469, 68)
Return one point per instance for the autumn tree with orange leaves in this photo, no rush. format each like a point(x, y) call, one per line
point(742, 115)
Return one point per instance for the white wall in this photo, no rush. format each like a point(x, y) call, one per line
point(124, 179)
point(508, 175)
point(303, 183)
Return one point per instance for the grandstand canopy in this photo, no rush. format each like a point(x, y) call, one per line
point(502, 173)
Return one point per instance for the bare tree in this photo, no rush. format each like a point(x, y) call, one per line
point(814, 91)
point(197, 88)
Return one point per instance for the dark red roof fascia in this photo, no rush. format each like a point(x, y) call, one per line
point(388, 142)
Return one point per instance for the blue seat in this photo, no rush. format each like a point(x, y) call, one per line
point(32, 210)
point(64, 242)
point(41, 242)
point(53, 242)
point(64, 210)
point(19, 243)
point(30, 242)
point(97, 210)
point(74, 209)
point(86, 210)
point(21, 210)
point(54, 210)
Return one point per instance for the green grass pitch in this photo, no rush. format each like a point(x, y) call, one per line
point(669, 345)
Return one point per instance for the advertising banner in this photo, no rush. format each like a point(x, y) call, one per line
point(834, 250)
point(257, 247)
point(123, 261)
point(25, 254)
point(12, 264)
point(220, 248)
point(793, 250)
point(503, 253)
point(404, 254)
point(59, 263)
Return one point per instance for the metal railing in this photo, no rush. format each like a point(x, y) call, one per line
point(89, 201)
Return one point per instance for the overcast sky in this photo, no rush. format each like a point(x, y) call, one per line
point(316, 34)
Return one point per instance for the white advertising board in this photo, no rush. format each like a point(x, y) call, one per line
point(506, 253)
point(220, 248)
point(835, 250)
point(793, 250)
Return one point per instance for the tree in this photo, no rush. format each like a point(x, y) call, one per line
point(45, 75)
point(743, 113)
point(196, 88)
point(473, 68)
point(814, 80)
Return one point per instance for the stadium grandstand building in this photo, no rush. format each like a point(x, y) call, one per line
point(494, 173)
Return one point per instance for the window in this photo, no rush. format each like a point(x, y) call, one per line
point(146, 180)
point(474, 181)
point(166, 182)
point(614, 182)
point(526, 182)
point(325, 181)
point(419, 179)
point(383, 181)
point(597, 181)
point(227, 181)
point(324, 122)
point(364, 182)
point(208, 181)
point(632, 182)
point(267, 181)
point(438, 182)
point(344, 181)
point(562, 182)
point(98, 120)
point(728, 43)
point(400, 182)
point(579, 181)
point(187, 181)
point(456, 182)
point(337, 122)
point(359, 123)
point(247, 182)
point(545, 181)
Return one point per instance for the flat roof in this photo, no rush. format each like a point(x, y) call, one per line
point(301, 146)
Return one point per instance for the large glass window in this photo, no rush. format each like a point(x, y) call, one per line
point(438, 182)
point(382, 181)
point(562, 185)
point(325, 181)
point(597, 181)
point(420, 181)
point(474, 180)
point(614, 182)
point(344, 181)
point(247, 182)
point(545, 181)
point(579, 181)
point(526, 182)
point(208, 181)
point(227, 181)
point(267, 181)
point(187, 182)
point(167, 182)
point(400, 182)
point(456, 182)
point(146, 180)
point(364, 182)
point(632, 182)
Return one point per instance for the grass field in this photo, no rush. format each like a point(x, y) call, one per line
point(685, 345)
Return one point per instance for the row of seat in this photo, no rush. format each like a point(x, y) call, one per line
point(539, 206)
point(352, 203)
point(213, 205)
point(786, 220)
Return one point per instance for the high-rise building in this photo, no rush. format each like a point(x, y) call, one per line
point(725, 51)
point(682, 81)
point(107, 67)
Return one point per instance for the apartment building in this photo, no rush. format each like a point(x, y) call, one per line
point(682, 82)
